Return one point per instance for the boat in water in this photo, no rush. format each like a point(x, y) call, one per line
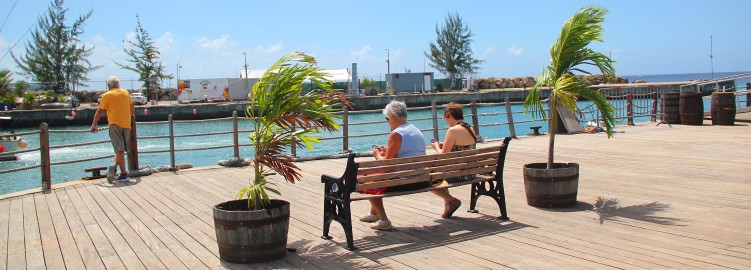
point(10, 142)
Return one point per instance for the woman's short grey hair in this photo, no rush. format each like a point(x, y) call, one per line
point(396, 109)
point(113, 82)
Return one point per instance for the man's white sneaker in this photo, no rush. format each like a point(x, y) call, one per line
point(382, 225)
point(369, 218)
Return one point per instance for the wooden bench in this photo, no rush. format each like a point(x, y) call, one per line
point(96, 173)
point(485, 164)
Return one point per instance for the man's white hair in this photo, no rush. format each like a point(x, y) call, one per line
point(113, 82)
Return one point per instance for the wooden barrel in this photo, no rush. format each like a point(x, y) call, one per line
point(691, 109)
point(671, 103)
point(246, 236)
point(723, 108)
point(551, 188)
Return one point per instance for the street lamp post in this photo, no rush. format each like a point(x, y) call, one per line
point(246, 71)
point(388, 71)
point(177, 80)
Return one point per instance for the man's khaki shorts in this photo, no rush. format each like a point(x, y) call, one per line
point(120, 138)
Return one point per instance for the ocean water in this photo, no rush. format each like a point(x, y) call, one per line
point(740, 83)
point(31, 179)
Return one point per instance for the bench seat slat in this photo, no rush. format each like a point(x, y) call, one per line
point(446, 175)
point(395, 182)
point(376, 163)
point(360, 196)
point(393, 176)
point(463, 166)
point(429, 163)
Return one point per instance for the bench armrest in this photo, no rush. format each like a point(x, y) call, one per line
point(326, 178)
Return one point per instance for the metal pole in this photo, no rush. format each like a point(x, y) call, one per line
point(435, 119)
point(345, 128)
point(172, 143)
point(44, 151)
point(711, 61)
point(235, 134)
point(510, 117)
point(388, 71)
point(246, 71)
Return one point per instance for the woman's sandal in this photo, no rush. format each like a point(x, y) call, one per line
point(453, 206)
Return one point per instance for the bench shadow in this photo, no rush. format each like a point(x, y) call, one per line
point(445, 232)
point(610, 210)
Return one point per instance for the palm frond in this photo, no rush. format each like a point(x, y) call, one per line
point(568, 54)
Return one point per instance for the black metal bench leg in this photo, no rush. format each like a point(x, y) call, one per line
point(473, 198)
point(327, 218)
point(347, 224)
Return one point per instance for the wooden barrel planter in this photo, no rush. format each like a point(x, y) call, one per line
point(671, 102)
point(692, 109)
point(246, 236)
point(551, 188)
point(723, 108)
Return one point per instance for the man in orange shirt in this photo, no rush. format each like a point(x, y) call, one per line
point(119, 108)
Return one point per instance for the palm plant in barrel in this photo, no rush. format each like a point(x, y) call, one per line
point(254, 227)
point(569, 54)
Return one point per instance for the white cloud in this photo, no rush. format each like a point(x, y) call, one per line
point(513, 50)
point(273, 49)
point(220, 45)
point(488, 51)
point(362, 53)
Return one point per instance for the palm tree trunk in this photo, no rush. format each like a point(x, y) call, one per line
point(552, 127)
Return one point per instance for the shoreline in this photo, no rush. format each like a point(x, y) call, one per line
point(200, 111)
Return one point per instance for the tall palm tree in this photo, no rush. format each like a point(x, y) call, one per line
point(568, 54)
point(282, 116)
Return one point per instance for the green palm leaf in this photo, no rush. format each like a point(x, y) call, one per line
point(569, 54)
point(282, 116)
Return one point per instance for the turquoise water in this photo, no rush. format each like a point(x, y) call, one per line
point(30, 179)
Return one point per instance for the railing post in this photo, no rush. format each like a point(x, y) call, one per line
point(654, 106)
point(172, 144)
point(133, 146)
point(44, 150)
point(475, 122)
point(630, 109)
point(235, 135)
point(345, 128)
point(510, 117)
point(434, 110)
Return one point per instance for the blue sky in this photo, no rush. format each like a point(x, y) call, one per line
point(208, 38)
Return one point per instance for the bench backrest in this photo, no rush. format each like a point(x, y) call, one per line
point(401, 171)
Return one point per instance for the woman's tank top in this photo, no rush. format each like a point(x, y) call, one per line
point(413, 143)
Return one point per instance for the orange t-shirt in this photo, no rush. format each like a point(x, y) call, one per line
point(117, 103)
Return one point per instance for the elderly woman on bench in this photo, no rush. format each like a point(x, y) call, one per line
point(405, 140)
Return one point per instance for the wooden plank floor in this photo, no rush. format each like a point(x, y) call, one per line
point(652, 197)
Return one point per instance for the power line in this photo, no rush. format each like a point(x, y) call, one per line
point(16, 43)
point(8, 16)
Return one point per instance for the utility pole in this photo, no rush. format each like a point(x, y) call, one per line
point(246, 71)
point(711, 61)
point(388, 71)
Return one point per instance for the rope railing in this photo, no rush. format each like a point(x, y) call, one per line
point(27, 133)
point(78, 144)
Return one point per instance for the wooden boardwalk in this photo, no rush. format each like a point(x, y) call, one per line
point(653, 197)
